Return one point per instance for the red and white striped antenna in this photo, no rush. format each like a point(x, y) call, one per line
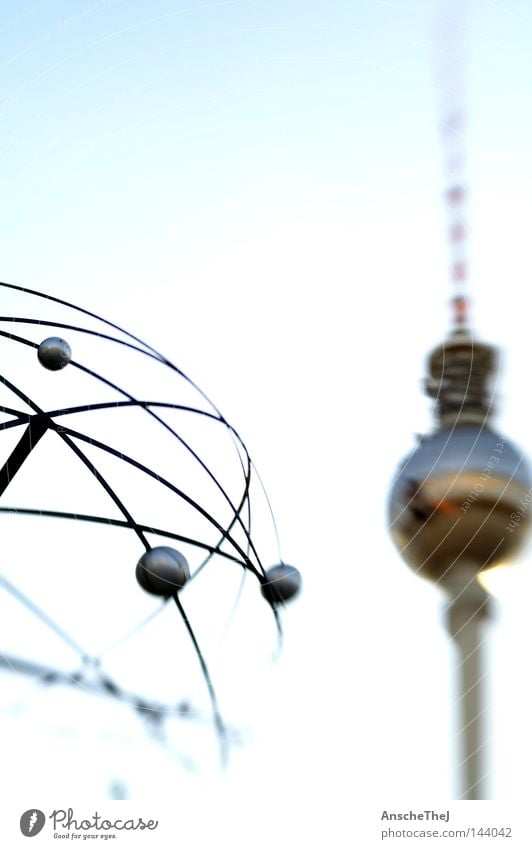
point(450, 59)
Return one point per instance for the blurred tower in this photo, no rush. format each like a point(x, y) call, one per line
point(454, 502)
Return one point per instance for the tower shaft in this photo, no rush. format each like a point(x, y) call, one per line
point(466, 621)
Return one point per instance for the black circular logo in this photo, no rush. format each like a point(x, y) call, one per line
point(32, 822)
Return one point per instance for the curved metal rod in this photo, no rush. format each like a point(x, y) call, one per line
point(120, 523)
point(83, 311)
point(150, 412)
point(149, 348)
point(40, 614)
point(218, 721)
point(100, 685)
point(96, 443)
point(27, 400)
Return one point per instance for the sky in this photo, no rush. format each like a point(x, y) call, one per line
point(254, 189)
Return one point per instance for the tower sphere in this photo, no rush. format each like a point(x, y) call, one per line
point(162, 571)
point(460, 504)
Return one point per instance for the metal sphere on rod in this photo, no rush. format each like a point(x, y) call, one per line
point(162, 571)
point(54, 353)
point(283, 584)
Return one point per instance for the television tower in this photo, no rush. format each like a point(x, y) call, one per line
point(454, 500)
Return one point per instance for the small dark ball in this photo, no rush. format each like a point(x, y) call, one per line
point(54, 353)
point(284, 582)
point(162, 571)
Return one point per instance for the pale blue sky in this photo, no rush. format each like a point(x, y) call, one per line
point(253, 188)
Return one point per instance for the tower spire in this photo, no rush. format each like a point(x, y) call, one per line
point(450, 59)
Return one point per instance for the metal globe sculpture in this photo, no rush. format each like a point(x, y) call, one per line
point(199, 494)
